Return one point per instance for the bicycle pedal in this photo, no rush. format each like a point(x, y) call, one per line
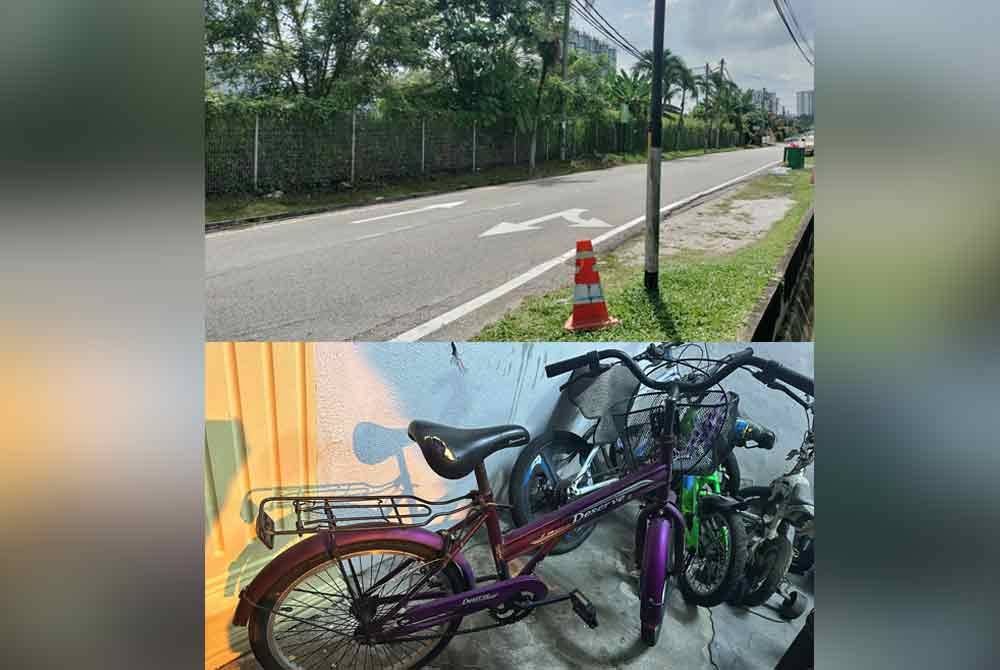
point(584, 609)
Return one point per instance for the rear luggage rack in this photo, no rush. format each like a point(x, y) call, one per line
point(317, 514)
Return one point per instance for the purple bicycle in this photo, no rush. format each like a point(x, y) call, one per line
point(373, 588)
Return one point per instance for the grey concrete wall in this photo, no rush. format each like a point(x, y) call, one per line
point(366, 394)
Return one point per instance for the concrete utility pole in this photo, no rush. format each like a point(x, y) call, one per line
point(652, 276)
point(565, 56)
point(718, 110)
point(709, 132)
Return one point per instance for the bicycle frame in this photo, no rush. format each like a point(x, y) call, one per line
point(693, 488)
point(537, 539)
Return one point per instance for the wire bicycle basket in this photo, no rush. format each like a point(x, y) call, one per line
point(701, 425)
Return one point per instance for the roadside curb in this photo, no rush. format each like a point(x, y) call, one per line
point(251, 221)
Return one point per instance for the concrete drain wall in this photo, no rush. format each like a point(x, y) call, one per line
point(785, 311)
point(798, 323)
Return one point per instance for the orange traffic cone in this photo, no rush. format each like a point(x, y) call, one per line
point(590, 312)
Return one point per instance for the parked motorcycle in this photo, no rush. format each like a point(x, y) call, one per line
point(777, 517)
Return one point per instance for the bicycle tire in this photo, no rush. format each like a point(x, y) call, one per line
point(735, 567)
point(259, 624)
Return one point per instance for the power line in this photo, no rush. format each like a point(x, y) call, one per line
point(606, 35)
point(781, 13)
point(593, 24)
point(798, 28)
point(615, 37)
point(601, 24)
point(590, 9)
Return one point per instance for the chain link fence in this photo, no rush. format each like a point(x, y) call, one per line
point(266, 152)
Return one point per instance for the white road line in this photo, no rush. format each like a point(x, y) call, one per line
point(439, 322)
point(384, 232)
point(443, 205)
point(349, 210)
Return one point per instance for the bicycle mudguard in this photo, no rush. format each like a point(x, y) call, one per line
point(717, 503)
point(653, 576)
point(326, 543)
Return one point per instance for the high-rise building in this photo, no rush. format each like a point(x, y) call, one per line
point(805, 103)
point(579, 41)
point(767, 100)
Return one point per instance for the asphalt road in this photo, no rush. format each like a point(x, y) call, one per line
point(372, 273)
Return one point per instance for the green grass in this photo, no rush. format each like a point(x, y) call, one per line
point(702, 297)
point(220, 208)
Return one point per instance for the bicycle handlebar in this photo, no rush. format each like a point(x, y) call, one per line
point(769, 371)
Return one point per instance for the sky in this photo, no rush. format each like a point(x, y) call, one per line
point(749, 34)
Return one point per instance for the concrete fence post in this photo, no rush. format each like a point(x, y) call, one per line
point(473, 146)
point(256, 148)
point(423, 145)
point(354, 142)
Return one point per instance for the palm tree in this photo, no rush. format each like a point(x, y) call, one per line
point(631, 90)
point(673, 67)
point(742, 106)
point(686, 82)
point(705, 88)
point(720, 99)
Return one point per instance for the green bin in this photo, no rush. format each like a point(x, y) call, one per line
point(795, 157)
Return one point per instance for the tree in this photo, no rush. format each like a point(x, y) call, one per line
point(477, 55)
point(674, 69)
point(314, 48)
point(633, 91)
point(686, 82)
point(545, 39)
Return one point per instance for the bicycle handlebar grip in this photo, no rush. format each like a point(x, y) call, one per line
point(796, 379)
point(740, 355)
point(570, 364)
point(766, 439)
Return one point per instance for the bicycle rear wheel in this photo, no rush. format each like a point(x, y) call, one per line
point(319, 614)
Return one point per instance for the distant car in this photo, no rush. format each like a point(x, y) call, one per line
point(810, 145)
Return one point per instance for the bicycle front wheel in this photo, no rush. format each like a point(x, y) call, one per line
point(321, 613)
point(715, 568)
point(539, 478)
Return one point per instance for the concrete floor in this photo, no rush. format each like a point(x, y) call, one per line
point(554, 638)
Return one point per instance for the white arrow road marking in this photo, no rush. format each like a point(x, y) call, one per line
point(443, 205)
point(568, 214)
point(574, 215)
point(442, 320)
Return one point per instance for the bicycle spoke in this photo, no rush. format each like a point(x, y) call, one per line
point(316, 625)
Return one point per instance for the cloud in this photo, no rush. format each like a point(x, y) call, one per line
point(749, 34)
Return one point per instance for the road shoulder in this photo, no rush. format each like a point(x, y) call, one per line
point(716, 260)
